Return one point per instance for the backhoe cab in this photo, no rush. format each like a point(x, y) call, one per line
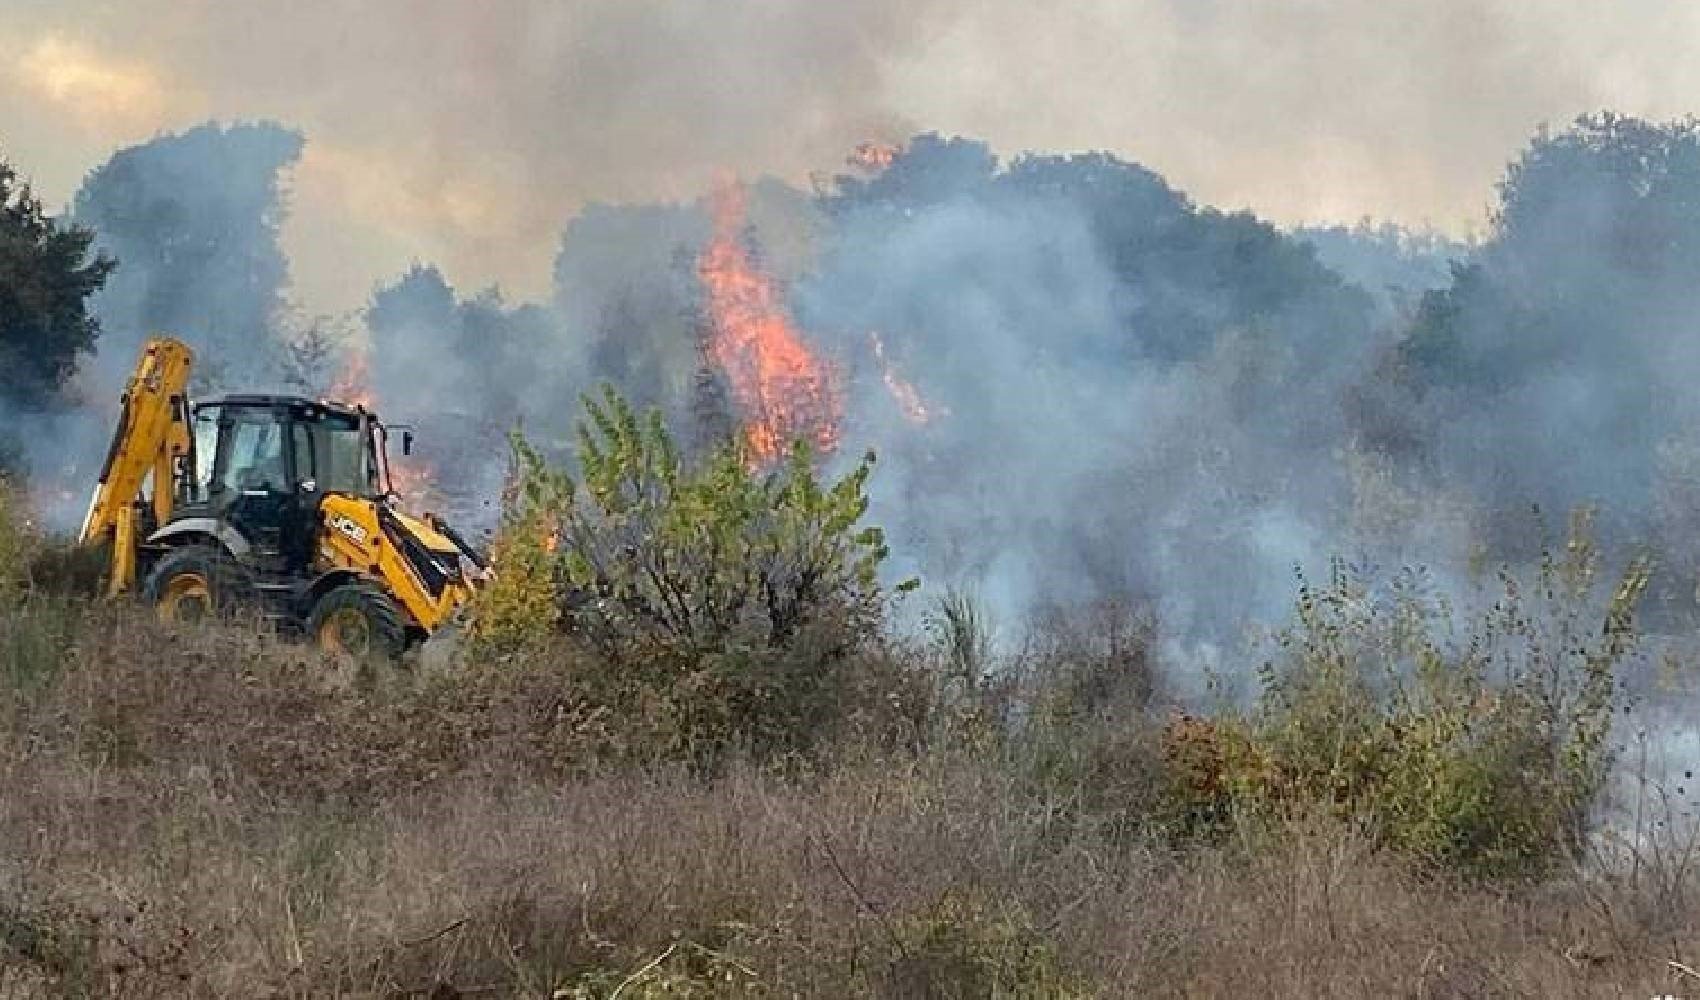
point(279, 503)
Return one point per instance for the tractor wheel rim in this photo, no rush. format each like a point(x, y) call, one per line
point(187, 599)
point(346, 631)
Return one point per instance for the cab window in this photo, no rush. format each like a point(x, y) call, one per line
point(251, 452)
point(331, 451)
point(199, 484)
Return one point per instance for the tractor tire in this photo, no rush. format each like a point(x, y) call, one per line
point(358, 620)
point(197, 582)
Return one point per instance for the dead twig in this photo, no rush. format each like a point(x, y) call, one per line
point(416, 942)
point(856, 891)
point(646, 970)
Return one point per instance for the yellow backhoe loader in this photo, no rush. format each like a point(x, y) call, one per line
point(279, 504)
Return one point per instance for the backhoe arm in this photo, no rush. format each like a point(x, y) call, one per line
point(152, 434)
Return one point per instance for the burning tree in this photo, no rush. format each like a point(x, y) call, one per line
point(412, 477)
point(783, 392)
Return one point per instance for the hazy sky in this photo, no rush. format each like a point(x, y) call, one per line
point(466, 133)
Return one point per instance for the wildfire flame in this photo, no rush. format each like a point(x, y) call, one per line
point(903, 392)
point(353, 383)
point(873, 157)
point(410, 477)
point(783, 392)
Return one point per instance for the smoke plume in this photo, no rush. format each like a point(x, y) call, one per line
point(465, 134)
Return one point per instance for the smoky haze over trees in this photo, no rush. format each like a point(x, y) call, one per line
point(1143, 394)
point(189, 223)
point(462, 371)
point(1126, 393)
point(1395, 265)
point(1136, 395)
point(424, 334)
point(193, 221)
point(625, 279)
point(1559, 367)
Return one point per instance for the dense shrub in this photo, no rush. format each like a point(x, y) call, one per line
point(18, 542)
point(1476, 741)
point(519, 608)
point(961, 947)
point(738, 598)
point(35, 561)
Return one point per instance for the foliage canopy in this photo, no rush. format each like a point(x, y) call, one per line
point(46, 278)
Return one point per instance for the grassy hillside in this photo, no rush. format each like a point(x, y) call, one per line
point(729, 775)
point(212, 814)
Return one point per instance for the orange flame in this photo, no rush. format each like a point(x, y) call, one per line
point(410, 477)
point(903, 392)
point(353, 384)
point(872, 157)
point(782, 390)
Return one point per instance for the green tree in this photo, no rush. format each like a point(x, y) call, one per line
point(46, 277)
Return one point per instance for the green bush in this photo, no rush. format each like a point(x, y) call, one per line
point(963, 947)
point(732, 597)
point(42, 583)
point(1478, 742)
point(46, 953)
point(19, 543)
point(36, 635)
point(520, 607)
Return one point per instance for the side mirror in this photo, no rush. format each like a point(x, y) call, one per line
point(407, 442)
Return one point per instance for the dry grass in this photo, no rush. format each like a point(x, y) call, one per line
point(208, 814)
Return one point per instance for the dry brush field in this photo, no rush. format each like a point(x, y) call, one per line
point(213, 814)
